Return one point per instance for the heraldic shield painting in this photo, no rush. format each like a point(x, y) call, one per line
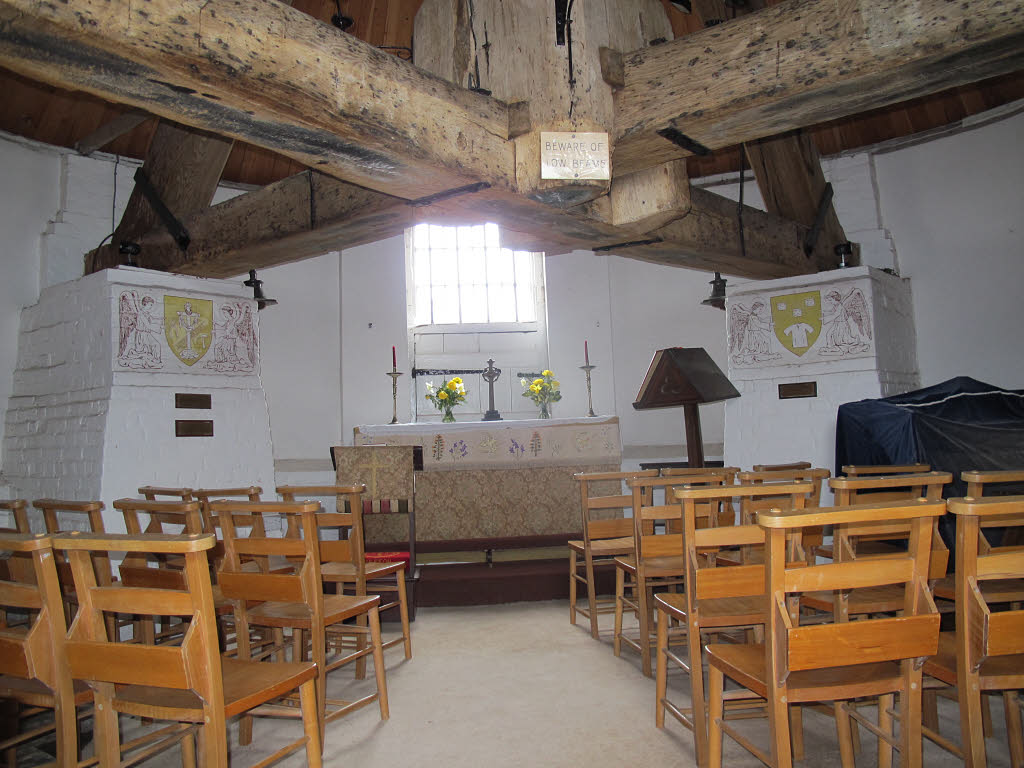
point(188, 325)
point(796, 318)
point(828, 323)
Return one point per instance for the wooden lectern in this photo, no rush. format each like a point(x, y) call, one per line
point(686, 377)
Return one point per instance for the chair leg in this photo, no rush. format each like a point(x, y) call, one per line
point(716, 682)
point(310, 724)
point(1011, 706)
point(572, 586)
point(971, 708)
point(778, 722)
point(796, 730)
point(910, 715)
point(188, 751)
point(844, 733)
point(403, 611)
point(661, 676)
point(644, 601)
point(699, 714)
point(378, 663)
point(105, 730)
point(885, 749)
point(588, 563)
point(619, 597)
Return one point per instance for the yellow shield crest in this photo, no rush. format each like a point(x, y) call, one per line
point(187, 327)
point(796, 318)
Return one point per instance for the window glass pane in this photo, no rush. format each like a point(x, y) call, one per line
point(446, 304)
point(471, 237)
point(471, 267)
point(442, 237)
point(492, 236)
point(501, 303)
point(421, 236)
point(499, 267)
point(444, 267)
point(421, 267)
point(422, 305)
point(524, 286)
point(474, 304)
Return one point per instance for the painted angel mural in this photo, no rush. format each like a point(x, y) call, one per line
point(750, 334)
point(846, 323)
point(234, 339)
point(139, 337)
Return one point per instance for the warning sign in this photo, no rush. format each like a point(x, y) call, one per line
point(565, 155)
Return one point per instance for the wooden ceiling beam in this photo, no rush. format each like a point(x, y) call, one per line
point(801, 63)
point(273, 76)
point(112, 129)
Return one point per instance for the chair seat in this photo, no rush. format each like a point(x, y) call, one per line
point(246, 685)
point(611, 547)
point(35, 694)
point(336, 608)
point(745, 663)
point(337, 571)
point(884, 599)
point(716, 612)
point(996, 673)
point(994, 591)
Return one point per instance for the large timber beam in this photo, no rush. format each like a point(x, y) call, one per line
point(804, 62)
point(273, 76)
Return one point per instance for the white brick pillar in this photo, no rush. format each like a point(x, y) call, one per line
point(845, 334)
point(103, 363)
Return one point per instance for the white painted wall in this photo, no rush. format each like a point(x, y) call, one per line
point(955, 209)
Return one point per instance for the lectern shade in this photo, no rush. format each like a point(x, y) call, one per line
point(683, 376)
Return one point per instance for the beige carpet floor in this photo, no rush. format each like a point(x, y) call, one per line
point(517, 685)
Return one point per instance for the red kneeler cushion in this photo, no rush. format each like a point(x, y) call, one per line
point(388, 557)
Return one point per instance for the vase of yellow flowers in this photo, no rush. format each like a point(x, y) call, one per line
point(447, 396)
point(543, 391)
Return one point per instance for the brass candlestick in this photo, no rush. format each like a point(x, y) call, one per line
point(394, 374)
point(590, 397)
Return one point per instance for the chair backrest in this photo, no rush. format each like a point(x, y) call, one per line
point(192, 665)
point(781, 467)
point(19, 515)
point(658, 528)
point(206, 495)
point(815, 476)
point(56, 510)
point(913, 635)
point(155, 493)
point(38, 652)
point(981, 631)
point(603, 504)
point(347, 520)
point(978, 482)
point(299, 585)
point(893, 487)
point(182, 516)
point(866, 470)
point(728, 473)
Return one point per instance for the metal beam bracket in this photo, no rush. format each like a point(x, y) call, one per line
point(436, 198)
point(630, 244)
point(175, 227)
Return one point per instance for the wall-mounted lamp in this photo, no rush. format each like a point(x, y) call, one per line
point(257, 291)
point(717, 297)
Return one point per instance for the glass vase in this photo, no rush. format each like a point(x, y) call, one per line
point(545, 411)
point(448, 417)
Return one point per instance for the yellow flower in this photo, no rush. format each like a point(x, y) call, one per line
point(427, 396)
point(456, 380)
point(555, 384)
point(535, 388)
point(452, 385)
point(538, 382)
point(546, 373)
point(442, 395)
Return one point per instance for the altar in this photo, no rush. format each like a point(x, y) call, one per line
point(490, 481)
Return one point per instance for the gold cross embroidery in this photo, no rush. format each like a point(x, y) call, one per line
point(373, 465)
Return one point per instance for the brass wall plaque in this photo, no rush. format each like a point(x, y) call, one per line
point(193, 400)
point(193, 427)
point(798, 389)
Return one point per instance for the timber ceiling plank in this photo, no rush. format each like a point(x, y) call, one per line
point(804, 62)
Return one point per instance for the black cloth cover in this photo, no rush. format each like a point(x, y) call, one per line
point(960, 424)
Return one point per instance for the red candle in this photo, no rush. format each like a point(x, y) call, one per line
point(586, 354)
point(394, 359)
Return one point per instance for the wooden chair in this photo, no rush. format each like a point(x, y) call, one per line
point(986, 652)
point(811, 540)
point(19, 516)
point(897, 486)
point(797, 664)
point(343, 560)
point(782, 467)
point(870, 470)
point(33, 664)
point(190, 683)
point(717, 597)
point(979, 481)
point(158, 493)
point(295, 599)
point(607, 534)
point(656, 562)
